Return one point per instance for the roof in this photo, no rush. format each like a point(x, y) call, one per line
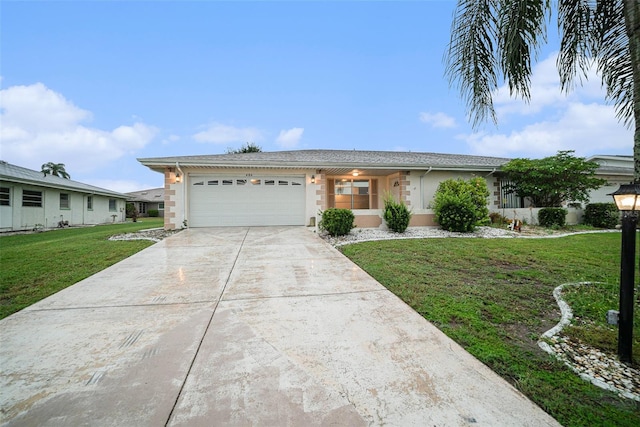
point(621, 165)
point(17, 174)
point(152, 195)
point(331, 159)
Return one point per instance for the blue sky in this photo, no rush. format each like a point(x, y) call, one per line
point(97, 84)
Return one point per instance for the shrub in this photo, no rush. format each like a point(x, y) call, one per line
point(602, 215)
point(153, 212)
point(464, 195)
point(131, 211)
point(552, 217)
point(396, 214)
point(497, 218)
point(337, 222)
point(456, 213)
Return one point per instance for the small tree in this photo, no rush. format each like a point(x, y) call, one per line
point(550, 181)
point(249, 147)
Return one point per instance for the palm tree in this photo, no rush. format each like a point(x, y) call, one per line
point(56, 169)
point(497, 39)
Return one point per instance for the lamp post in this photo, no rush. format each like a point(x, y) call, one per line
point(627, 198)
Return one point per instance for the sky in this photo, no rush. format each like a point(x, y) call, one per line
point(97, 84)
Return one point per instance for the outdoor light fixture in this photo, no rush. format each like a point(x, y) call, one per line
point(178, 177)
point(628, 201)
point(313, 179)
point(627, 197)
point(355, 173)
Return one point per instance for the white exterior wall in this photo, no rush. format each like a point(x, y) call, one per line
point(17, 217)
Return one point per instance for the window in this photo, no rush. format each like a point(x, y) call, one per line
point(112, 205)
point(212, 182)
point(255, 181)
point(32, 198)
point(509, 199)
point(5, 196)
point(142, 208)
point(161, 206)
point(227, 182)
point(64, 201)
point(282, 182)
point(348, 193)
point(89, 203)
point(241, 181)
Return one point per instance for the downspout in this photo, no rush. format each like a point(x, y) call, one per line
point(184, 191)
point(422, 187)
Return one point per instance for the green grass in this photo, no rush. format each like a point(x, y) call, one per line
point(34, 266)
point(494, 297)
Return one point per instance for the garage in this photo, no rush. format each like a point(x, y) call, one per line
point(218, 200)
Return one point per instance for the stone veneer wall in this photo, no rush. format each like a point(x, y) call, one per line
point(169, 200)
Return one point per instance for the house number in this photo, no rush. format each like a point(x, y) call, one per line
point(248, 174)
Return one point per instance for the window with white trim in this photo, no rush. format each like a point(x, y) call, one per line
point(64, 201)
point(32, 199)
point(5, 196)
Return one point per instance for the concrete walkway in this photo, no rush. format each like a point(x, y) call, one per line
point(241, 326)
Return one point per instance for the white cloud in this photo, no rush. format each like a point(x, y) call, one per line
point(553, 120)
point(289, 138)
point(545, 91)
point(586, 128)
point(438, 120)
point(218, 133)
point(39, 125)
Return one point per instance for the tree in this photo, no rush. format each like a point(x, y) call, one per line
point(553, 180)
point(56, 169)
point(249, 147)
point(497, 39)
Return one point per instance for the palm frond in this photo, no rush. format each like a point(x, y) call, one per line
point(576, 24)
point(521, 31)
point(471, 63)
point(614, 57)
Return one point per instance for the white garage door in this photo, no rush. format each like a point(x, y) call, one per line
point(241, 201)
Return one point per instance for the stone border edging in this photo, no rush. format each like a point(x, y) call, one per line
point(565, 320)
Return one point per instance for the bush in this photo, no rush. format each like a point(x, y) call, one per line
point(552, 217)
point(153, 212)
point(131, 211)
point(337, 222)
point(456, 213)
point(467, 196)
point(396, 214)
point(601, 215)
point(497, 218)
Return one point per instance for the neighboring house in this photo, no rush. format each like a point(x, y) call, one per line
point(616, 170)
point(292, 187)
point(147, 200)
point(29, 199)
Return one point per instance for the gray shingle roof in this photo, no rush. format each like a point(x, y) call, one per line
point(152, 195)
point(13, 173)
point(332, 159)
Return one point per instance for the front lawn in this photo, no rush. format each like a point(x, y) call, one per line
point(34, 266)
point(494, 297)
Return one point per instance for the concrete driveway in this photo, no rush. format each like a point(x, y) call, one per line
point(264, 326)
